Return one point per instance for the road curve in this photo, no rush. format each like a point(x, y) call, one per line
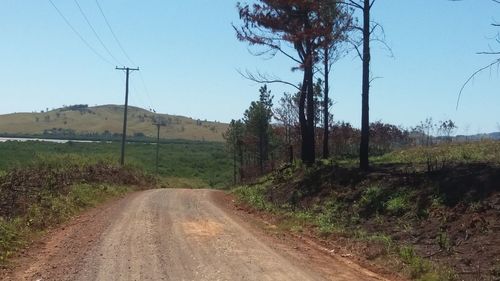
point(174, 234)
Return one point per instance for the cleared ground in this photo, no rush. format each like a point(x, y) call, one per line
point(174, 234)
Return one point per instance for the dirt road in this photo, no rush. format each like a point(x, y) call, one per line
point(173, 235)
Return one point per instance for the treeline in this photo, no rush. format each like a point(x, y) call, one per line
point(269, 135)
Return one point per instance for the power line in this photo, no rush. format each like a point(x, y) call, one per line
point(78, 34)
point(113, 33)
point(143, 81)
point(145, 88)
point(140, 98)
point(95, 32)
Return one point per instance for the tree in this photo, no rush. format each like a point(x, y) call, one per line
point(426, 128)
point(340, 20)
point(287, 114)
point(299, 25)
point(257, 122)
point(367, 29)
point(446, 128)
point(234, 140)
point(385, 137)
point(365, 96)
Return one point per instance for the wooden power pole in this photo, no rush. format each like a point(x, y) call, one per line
point(158, 123)
point(124, 135)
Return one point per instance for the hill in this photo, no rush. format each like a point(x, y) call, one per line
point(490, 136)
point(106, 120)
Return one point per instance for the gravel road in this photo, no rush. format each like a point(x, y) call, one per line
point(173, 234)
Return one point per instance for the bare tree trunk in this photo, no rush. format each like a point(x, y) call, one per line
point(240, 151)
point(261, 153)
point(302, 119)
point(365, 109)
point(234, 162)
point(310, 137)
point(326, 117)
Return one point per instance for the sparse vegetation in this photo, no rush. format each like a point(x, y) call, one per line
point(50, 190)
point(105, 123)
point(407, 219)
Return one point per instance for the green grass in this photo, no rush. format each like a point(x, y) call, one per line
point(255, 197)
point(51, 210)
point(334, 217)
point(206, 162)
point(398, 205)
point(486, 151)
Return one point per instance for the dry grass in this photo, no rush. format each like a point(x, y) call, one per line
point(109, 118)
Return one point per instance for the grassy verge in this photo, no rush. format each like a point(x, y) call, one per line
point(52, 210)
point(52, 189)
point(331, 219)
point(426, 212)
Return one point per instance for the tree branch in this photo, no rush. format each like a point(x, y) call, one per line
point(497, 61)
point(264, 79)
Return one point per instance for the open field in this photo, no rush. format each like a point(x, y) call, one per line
point(205, 163)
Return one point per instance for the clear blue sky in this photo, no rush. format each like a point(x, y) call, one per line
point(189, 55)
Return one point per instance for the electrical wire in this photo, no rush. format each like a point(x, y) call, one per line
point(118, 42)
point(145, 88)
point(95, 33)
point(113, 33)
point(79, 35)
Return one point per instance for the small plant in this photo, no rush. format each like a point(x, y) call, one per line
point(475, 206)
point(418, 266)
point(443, 241)
point(254, 195)
point(437, 201)
point(384, 239)
point(326, 224)
point(398, 205)
point(372, 200)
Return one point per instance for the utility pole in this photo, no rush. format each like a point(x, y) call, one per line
point(124, 135)
point(158, 123)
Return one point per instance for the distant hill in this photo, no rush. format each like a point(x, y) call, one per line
point(107, 120)
point(490, 136)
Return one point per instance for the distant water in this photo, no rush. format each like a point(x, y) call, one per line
point(45, 140)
